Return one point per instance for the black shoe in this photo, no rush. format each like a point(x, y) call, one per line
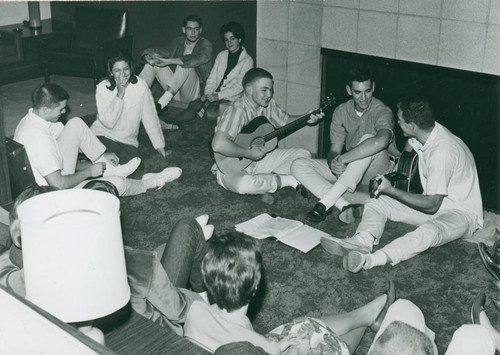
point(477, 308)
point(488, 262)
point(318, 213)
point(302, 191)
point(160, 111)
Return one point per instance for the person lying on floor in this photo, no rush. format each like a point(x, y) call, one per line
point(158, 279)
point(231, 270)
point(53, 148)
point(124, 101)
point(449, 208)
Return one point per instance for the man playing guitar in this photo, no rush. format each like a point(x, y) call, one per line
point(267, 171)
point(449, 208)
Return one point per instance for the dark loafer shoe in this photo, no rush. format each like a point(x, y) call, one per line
point(477, 307)
point(488, 262)
point(318, 213)
point(391, 297)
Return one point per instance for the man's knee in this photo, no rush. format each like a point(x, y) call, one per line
point(245, 185)
point(76, 124)
point(299, 165)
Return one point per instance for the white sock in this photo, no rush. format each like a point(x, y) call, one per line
point(165, 99)
point(364, 238)
point(341, 203)
point(378, 258)
point(288, 180)
point(333, 195)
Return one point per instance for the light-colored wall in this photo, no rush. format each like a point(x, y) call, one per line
point(462, 34)
point(12, 12)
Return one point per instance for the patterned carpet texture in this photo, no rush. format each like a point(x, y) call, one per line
point(443, 282)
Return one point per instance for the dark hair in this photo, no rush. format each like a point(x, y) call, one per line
point(235, 28)
point(120, 58)
point(418, 110)
point(255, 74)
point(231, 270)
point(102, 185)
point(48, 95)
point(359, 74)
point(193, 18)
point(15, 230)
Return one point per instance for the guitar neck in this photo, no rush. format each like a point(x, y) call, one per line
point(288, 128)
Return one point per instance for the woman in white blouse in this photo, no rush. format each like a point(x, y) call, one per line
point(224, 81)
point(124, 101)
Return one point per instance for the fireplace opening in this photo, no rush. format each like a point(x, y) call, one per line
point(467, 103)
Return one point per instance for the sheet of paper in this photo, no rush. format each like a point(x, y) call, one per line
point(304, 238)
point(278, 226)
point(251, 226)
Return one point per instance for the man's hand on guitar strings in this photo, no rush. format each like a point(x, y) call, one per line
point(212, 97)
point(383, 185)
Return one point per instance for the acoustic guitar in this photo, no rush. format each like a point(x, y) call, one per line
point(406, 177)
point(260, 133)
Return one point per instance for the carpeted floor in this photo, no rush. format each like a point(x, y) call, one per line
point(443, 281)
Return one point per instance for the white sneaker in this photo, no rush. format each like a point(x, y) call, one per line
point(122, 170)
point(158, 180)
point(208, 231)
point(202, 220)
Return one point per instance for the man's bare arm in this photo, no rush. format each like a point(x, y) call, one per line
point(429, 204)
point(57, 179)
point(368, 147)
point(222, 144)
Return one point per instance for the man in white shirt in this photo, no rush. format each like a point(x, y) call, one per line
point(449, 208)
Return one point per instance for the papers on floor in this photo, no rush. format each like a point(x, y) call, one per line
point(288, 231)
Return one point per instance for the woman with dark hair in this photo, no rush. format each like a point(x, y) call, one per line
point(124, 101)
point(224, 81)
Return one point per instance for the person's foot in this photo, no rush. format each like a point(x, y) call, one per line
point(342, 247)
point(354, 261)
point(123, 170)
point(168, 126)
point(159, 110)
point(300, 189)
point(477, 307)
point(318, 213)
point(489, 263)
point(350, 212)
point(391, 298)
point(158, 180)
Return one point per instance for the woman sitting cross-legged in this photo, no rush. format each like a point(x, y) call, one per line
point(124, 101)
point(231, 270)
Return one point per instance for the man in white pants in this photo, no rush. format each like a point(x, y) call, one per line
point(364, 126)
point(183, 67)
point(53, 148)
point(449, 208)
point(265, 172)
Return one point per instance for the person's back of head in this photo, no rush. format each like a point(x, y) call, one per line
point(418, 110)
point(400, 338)
point(48, 95)
point(255, 74)
point(231, 270)
point(192, 18)
point(102, 185)
point(359, 74)
point(15, 229)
